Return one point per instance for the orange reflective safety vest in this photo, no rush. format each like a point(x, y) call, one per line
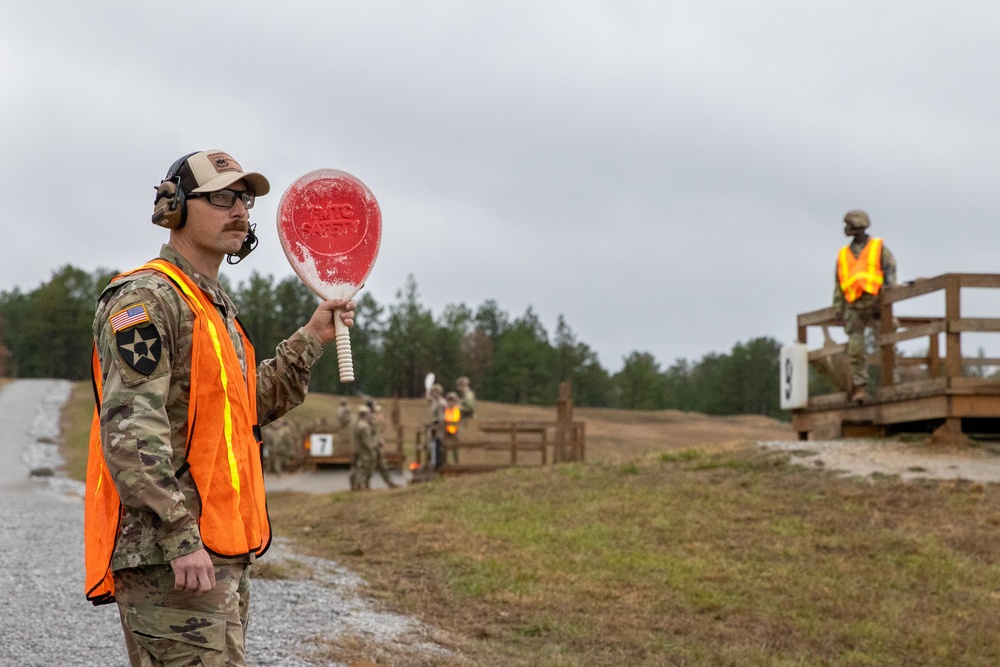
point(861, 274)
point(223, 450)
point(452, 416)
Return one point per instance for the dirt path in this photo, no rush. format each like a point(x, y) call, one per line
point(892, 457)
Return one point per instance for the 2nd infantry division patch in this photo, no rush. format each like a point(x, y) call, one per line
point(139, 346)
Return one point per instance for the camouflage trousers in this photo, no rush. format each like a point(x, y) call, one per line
point(361, 469)
point(450, 444)
point(858, 316)
point(382, 467)
point(437, 453)
point(168, 628)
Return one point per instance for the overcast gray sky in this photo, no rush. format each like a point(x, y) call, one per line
point(669, 176)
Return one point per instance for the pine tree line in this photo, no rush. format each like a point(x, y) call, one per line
point(47, 332)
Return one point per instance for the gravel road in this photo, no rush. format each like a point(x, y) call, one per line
point(861, 457)
point(49, 622)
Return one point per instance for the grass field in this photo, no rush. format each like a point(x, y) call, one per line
point(677, 543)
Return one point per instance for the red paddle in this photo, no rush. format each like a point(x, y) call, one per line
point(330, 228)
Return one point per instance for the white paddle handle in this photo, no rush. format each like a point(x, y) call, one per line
point(343, 340)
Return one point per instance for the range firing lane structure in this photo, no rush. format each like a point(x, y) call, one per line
point(488, 445)
point(928, 392)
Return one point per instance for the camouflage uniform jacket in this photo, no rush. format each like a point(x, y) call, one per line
point(144, 416)
point(435, 412)
point(378, 430)
point(364, 439)
point(343, 417)
point(467, 403)
point(888, 273)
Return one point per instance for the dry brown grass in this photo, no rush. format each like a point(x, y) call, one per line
point(75, 429)
point(612, 435)
point(624, 435)
point(691, 558)
point(676, 543)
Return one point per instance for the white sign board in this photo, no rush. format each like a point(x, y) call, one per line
point(321, 444)
point(794, 381)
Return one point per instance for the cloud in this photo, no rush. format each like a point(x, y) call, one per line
point(669, 176)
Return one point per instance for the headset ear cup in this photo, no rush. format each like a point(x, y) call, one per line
point(169, 207)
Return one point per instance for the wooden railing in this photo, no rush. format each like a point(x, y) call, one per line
point(945, 372)
point(516, 443)
point(501, 443)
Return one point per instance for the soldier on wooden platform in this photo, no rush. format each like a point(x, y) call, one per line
point(864, 268)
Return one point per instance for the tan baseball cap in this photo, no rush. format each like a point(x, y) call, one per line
point(213, 170)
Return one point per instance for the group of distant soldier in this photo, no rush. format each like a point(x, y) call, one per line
point(285, 447)
point(286, 444)
point(447, 414)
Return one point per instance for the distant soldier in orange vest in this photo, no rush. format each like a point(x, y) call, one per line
point(452, 417)
point(864, 268)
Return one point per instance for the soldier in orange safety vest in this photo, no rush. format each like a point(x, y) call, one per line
point(175, 511)
point(864, 268)
point(452, 417)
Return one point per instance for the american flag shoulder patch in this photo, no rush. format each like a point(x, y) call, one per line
point(129, 317)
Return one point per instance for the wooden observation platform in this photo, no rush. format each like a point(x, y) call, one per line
point(930, 392)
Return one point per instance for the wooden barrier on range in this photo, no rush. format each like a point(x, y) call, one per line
point(488, 445)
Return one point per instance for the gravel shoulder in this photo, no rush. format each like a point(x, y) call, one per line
point(41, 544)
point(863, 457)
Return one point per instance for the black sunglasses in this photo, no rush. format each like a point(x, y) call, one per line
point(227, 198)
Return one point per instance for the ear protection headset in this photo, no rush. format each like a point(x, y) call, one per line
point(169, 207)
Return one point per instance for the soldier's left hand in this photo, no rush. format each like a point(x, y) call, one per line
point(321, 324)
